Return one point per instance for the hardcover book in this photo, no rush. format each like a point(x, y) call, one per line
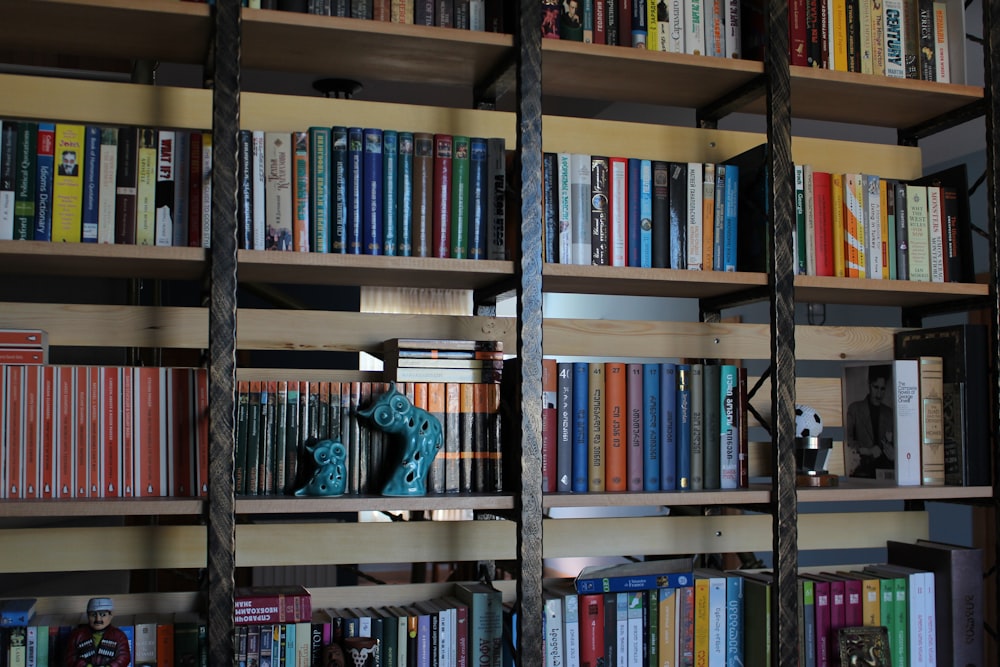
point(67, 187)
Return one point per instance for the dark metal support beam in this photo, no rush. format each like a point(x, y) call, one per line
point(909, 136)
point(709, 115)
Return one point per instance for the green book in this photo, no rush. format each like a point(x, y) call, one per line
point(460, 197)
point(319, 188)
point(338, 189)
point(390, 193)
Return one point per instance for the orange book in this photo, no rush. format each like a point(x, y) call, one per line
point(47, 484)
point(837, 224)
point(201, 428)
point(616, 459)
point(65, 440)
point(111, 427)
point(94, 444)
point(452, 439)
point(14, 398)
point(469, 447)
point(127, 484)
point(549, 425)
point(708, 218)
point(32, 432)
point(164, 643)
point(81, 431)
point(701, 621)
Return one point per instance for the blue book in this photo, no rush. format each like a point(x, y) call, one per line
point(355, 201)
point(734, 621)
point(581, 431)
point(730, 231)
point(634, 215)
point(16, 612)
point(288, 659)
point(319, 188)
point(637, 576)
point(479, 190)
point(651, 426)
point(43, 185)
point(668, 426)
point(728, 426)
point(390, 194)
point(564, 427)
point(719, 222)
point(90, 214)
point(646, 214)
point(339, 188)
point(371, 212)
point(404, 188)
point(683, 433)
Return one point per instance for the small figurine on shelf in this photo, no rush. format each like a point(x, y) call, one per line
point(98, 642)
point(421, 438)
point(330, 475)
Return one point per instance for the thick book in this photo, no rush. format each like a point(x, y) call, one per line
point(711, 448)
point(25, 176)
point(600, 249)
point(43, 185)
point(634, 426)
point(338, 189)
point(272, 604)
point(479, 189)
point(616, 438)
point(442, 194)
point(459, 203)
point(549, 424)
point(931, 420)
point(485, 622)
point(596, 415)
point(355, 191)
point(677, 211)
point(668, 426)
point(301, 210)
point(564, 427)
point(961, 261)
point(651, 426)
point(581, 429)
point(638, 576)
point(423, 194)
point(319, 188)
point(163, 233)
point(372, 224)
point(67, 188)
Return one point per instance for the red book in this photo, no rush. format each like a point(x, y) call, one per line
point(625, 22)
point(201, 428)
point(615, 435)
point(823, 222)
point(127, 484)
point(94, 442)
point(111, 430)
point(81, 432)
point(180, 437)
point(32, 431)
point(164, 644)
point(64, 428)
point(48, 481)
point(32, 338)
point(272, 604)
point(149, 433)
point(549, 425)
point(591, 610)
point(14, 385)
point(22, 356)
point(797, 32)
point(600, 22)
point(441, 198)
point(194, 190)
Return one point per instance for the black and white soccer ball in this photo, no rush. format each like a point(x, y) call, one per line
point(807, 421)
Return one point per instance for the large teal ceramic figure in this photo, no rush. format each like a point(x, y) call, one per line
point(418, 434)
point(330, 475)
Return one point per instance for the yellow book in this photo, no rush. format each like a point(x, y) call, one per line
point(595, 412)
point(669, 615)
point(884, 212)
point(708, 218)
point(837, 217)
point(67, 184)
point(854, 225)
point(931, 421)
point(878, 38)
point(145, 191)
point(865, 35)
point(840, 35)
point(652, 29)
point(702, 591)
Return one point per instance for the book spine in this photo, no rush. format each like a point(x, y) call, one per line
point(339, 188)
point(246, 167)
point(67, 189)
point(372, 228)
point(302, 219)
point(206, 189)
point(564, 427)
point(892, 17)
point(708, 218)
point(693, 226)
point(580, 191)
point(823, 223)
point(634, 219)
point(918, 233)
point(279, 226)
point(931, 421)
point(652, 426)
point(616, 438)
point(596, 415)
point(600, 250)
point(442, 194)
point(731, 215)
point(729, 428)
point(683, 438)
point(549, 424)
point(634, 426)
point(404, 189)
point(355, 187)
point(551, 223)
point(712, 429)
point(45, 174)
point(390, 192)
point(25, 176)
point(107, 185)
point(581, 429)
point(838, 236)
point(668, 426)
point(678, 215)
point(478, 199)
point(496, 170)
point(182, 187)
point(928, 49)
point(459, 200)
point(618, 211)
point(8, 170)
point(319, 188)
point(645, 214)
point(145, 231)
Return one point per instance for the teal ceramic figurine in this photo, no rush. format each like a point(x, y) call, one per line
point(330, 475)
point(418, 432)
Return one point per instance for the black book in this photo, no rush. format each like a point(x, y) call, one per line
point(753, 228)
point(661, 215)
point(962, 347)
point(600, 225)
point(678, 215)
point(550, 206)
point(244, 215)
point(954, 184)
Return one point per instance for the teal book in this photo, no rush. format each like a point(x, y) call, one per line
point(319, 188)
point(734, 621)
point(460, 197)
point(646, 214)
point(485, 622)
point(404, 189)
point(390, 192)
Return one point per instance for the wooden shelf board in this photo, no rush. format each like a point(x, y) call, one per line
point(867, 292)
point(103, 260)
point(359, 49)
point(102, 507)
point(866, 99)
point(593, 71)
point(156, 29)
point(289, 505)
point(368, 270)
point(757, 493)
point(569, 278)
point(851, 491)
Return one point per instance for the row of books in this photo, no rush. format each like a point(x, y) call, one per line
point(864, 226)
point(103, 431)
point(657, 426)
point(697, 27)
point(617, 211)
point(478, 15)
point(277, 421)
point(897, 38)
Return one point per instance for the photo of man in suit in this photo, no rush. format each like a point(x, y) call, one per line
point(869, 442)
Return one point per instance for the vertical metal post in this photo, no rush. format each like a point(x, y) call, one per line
point(781, 277)
point(528, 265)
point(220, 518)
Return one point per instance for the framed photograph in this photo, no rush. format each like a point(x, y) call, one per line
point(864, 646)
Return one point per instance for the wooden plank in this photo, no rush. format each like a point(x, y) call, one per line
point(351, 596)
point(841, 530)
point(125, 603)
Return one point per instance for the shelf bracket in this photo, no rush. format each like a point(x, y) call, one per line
point(501, 79)
point(909, 136)
point(708, 116)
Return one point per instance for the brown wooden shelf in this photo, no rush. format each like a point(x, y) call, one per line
point(594, 71)
point(867, 292)
point(757, 493)
point(155, 29)
point(363, 50)
point(102, 507)
point(570, 278)
point(860, 491)
point(293, 505)
point(103, 260)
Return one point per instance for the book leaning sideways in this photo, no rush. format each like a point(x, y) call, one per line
point(641, 576)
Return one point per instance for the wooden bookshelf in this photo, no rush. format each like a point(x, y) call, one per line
point(568, 278)
point(291, 505)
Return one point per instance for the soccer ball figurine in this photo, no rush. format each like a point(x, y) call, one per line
point(808, 423)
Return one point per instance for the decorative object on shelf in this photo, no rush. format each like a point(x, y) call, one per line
point(333, 655)
point(330, 476)
point(361, 651)
point(98, 642)
point(420, 435)
point(867, 646)
point(811, 451)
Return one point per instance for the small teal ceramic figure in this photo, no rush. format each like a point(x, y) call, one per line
point(418, 431)
point(330, 476)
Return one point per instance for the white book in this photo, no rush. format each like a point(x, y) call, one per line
point(694, 27)
point(873, 227)
point(107, 185)
point(717, 622)
point(935, 228)
point(621, 626)
point(206, 189)
point(564, 202)
point(636, 601)
point(278, 189)
point(259, 188)
point(810, 218)
point(580, 193)
point(552, 627)
point(676, 31)
point(733, 27)
point(800, 210)
point(695, 196)
point(895, 46)
point(619, 211)
point(571, 626)
point(906, 406)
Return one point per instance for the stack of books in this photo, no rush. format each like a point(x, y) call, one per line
point(24, 346)
point(421, 360)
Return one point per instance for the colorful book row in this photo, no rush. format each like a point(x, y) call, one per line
point(103, 432)
point(659, 426)
point(476, 15)
point(278, 420)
